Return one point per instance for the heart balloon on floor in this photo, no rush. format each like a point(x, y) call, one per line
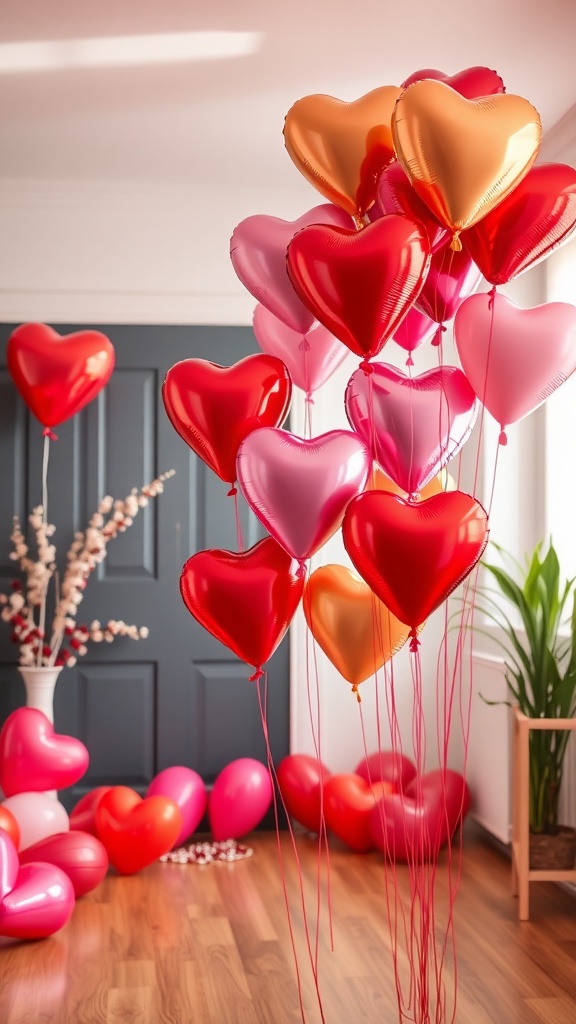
point(55, 375)
point(448, 787)
point(34, 758)
point(300, 780)
point(472, 83)
point(413, 555)
point(245, 600)
point(79, 855)
point(214, 408)
point(515, 358)
point(360, 285)
point(299, 488)
point(187, 789)
point(387, 766)
point(36, 899)
point(240, 797)
point(38, 815)
point(463, 156)
point(134, 831)
point(310, 358)
point(537, 217)
point(405, 830)
point(83, 814)
point(339, 147)
point(354, 629)
point(348, 804)
point(258, 254)
point(415, 425)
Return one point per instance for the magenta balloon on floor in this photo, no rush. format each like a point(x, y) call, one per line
point(241, 796)
point(187, 789)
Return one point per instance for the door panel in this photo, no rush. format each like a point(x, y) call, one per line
point(178, 697)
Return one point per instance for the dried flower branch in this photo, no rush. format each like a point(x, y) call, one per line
point(67, 640)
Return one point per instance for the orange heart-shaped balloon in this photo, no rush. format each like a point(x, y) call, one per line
point(378, 481)
point(463, 156)
point(341, 148)
point(354, 629)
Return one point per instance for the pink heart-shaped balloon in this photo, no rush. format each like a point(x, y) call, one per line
point(34, 758)
point(451, 278)
point(311, 358)
point(415, 424)
point(415, 330)
point(258, 253)
point(79, 855)
point(298, 488)
point(36, 899)
point(187, 789)
point(514, 358)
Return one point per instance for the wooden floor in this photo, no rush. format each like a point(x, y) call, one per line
point(183, 944)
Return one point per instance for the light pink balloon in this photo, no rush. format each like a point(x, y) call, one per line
point(241, 796)
point(298, 488)
point(187, 789)
point(515, 358)
point(311, 358)
point(38, 816)
point(36, 899)
point(415, 330)
point(415, 424)
point(35, 758)
point(258, 253)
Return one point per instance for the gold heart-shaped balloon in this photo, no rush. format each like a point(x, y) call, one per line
point(341, 147)
point(463, 156)
point(378, 481)
point(354, 629)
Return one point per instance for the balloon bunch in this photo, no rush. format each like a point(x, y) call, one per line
point(382, 804)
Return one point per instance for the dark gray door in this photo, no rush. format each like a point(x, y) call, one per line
point(178, 697)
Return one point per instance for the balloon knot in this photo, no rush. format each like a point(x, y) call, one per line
point(304, 345)
point(357, 692)
point(309, 398)
point(47, 432)
point(414, 642)
point(456, 244)
point(367, 367)
point(257, 675)
point(302, 570)
point(503, 438)
point(233, 491)
point(409, 361)
point(492, 294)
point(437, 339)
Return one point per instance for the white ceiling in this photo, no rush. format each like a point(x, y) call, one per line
point(221, 121)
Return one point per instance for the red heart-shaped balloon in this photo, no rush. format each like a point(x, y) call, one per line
point(245, 600)
point(414, 555)
point(537, 216)
point(348, 804)
point(300, 780)
point(34, 758)
point(451, 278)
point(79, 855)
point(83, 814)
point(448, 787)
point(395, 194)
point(387, 766)
point(214, 408)
point(406, 830)
point(36, 899)
point(470, 83)
point(57, 376)
point(361, 284)
point(134, 831)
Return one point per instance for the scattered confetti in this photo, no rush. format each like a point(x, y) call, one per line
point(208, 853)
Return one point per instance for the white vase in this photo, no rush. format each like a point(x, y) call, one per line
point(40, 683)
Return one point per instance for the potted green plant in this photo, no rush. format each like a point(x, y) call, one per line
point(537, 633)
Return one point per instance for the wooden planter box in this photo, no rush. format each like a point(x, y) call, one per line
point(522, 874)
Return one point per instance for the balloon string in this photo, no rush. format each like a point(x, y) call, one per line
point(233, 493)
point(275, 789)
point(484, 390)
point(315, 730)
point(42, 613)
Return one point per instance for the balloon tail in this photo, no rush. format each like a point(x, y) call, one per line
point(437, 339)
point(47, 432)
point(503, 438)
point(367, 367)
point(492, 294)
point(456, 244)
point(304, 345)
point(410, 361)
point(257, 675)
point(357, 692)
point(414, 642)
